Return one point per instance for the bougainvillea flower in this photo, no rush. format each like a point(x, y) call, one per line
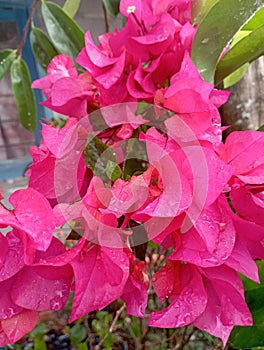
point(100, 275)
point(203, 297)
point(59, 153)
point(212, 237)
point(243, 150)
point(14, 328)
point(105, 69)
point(66, 92)
point(60, 66)
point(31, 214)
point(45, 286)
point(135, 292)
point(190, 97)
point(248, 200)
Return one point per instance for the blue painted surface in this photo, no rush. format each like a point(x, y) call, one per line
point(18, 11)
point(13, 168)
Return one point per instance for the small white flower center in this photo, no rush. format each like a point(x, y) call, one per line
point(131, 9)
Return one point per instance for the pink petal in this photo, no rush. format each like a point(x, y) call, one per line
point(243, 150)
point(60, 140)
point(187, 294)
point(19, 325)
point(100, 276)
point(67, 89)
point(248, 201)
point(8, 307)
point(42, 288)
point(34, 216)
point(135, 292)
point(226, 303)
point(14, 256)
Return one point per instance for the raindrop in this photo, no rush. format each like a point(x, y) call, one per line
point(205, 41)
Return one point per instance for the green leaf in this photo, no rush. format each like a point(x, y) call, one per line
point(113, 170)
point(71, 7)
point(82, 346)
point(200, 8)
point(216, 30)
point(39, 344)
point(42, 48)
point(112, 7)
point(246, 50)
point(97, 155)
point(64, 32)
point(77, 334)
point(261, 128)
point(6, 59)
point(38, 331)
point(236, 76)
point(256, 21)
point(25, 100)
point(249, 337)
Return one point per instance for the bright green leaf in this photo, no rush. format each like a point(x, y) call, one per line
point(236, 76)
point(96, 155)
point(6, 59)
point(38, 331)
point(66, 35)
point(256, 21)
point(77, 334)
point(112, 7)
point(42, 48)
point(245, 51)
point(71, 7)
point(113, 170)
point(216, 30)
point(239, 36)
point(200, 8)
point(39, 344)
point(23, 93)
point(82, 346)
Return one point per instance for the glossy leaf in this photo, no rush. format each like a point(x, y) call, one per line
point(256, 21)
point(216, 30)
point(25, 100)
point(64, 32)
point(245, 51)
point(42, 48)
point(97, 155)
point(112, 7)
point(71, 7)
point(6, 59)
point(113, 170)
point(236, 76)
point(77, 334)
point(249, 337)
point(200, 8)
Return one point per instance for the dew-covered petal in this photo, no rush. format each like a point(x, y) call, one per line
point(135, 292)
point(17, 326)
point(100, 276)
point(44, 288)
point(186, 291)
point(33, 215)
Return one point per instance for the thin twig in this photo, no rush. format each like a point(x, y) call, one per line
point(90, 341)
point(135, 339)
point(111, 328)
point(26, 28)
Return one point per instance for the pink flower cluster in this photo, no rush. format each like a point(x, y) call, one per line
point(200, 199)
